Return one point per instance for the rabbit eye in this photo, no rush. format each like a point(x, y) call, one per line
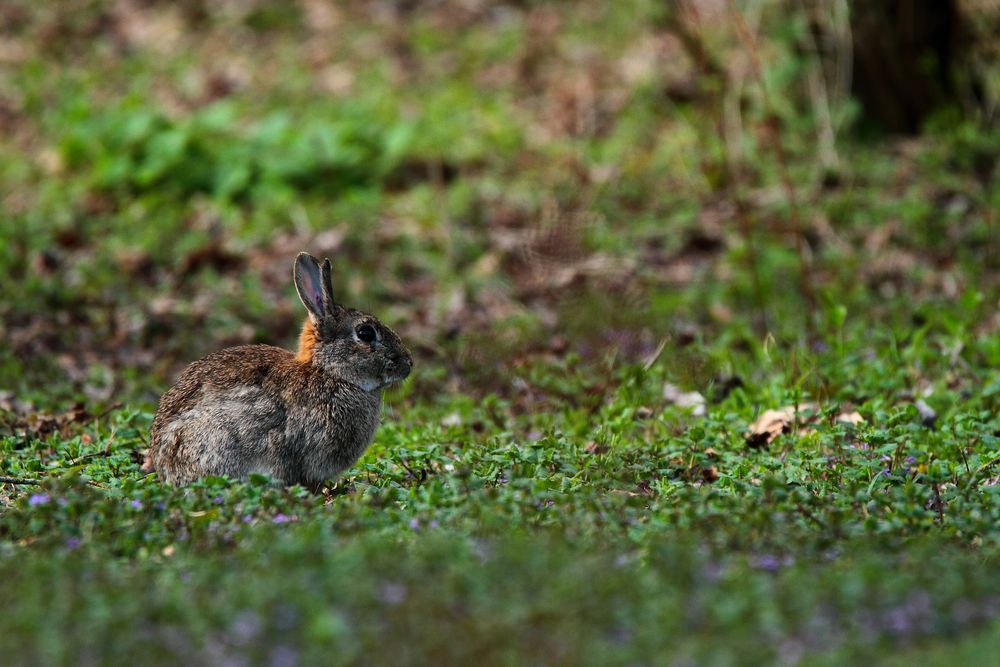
point(366, 333)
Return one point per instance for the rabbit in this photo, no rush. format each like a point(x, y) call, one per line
point(301, 418)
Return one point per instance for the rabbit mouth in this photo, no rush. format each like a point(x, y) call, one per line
point(394, 378)
point(379, 383)
point(394, 375)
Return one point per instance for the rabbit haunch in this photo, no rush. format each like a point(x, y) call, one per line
point(231, 423)
point(302, 418)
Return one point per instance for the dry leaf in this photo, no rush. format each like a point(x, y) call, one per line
point(853, 418)
point(595, 448)
point(642, 412)
point(773, 423)
point(769, 426)
point(685, 399)
point(928, 416)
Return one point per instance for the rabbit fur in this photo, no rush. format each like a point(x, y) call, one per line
point(301, 418)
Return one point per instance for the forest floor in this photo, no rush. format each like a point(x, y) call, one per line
point(703, 375)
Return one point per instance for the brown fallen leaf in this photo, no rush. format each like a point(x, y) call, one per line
point(643, 412)
point(684, 399)
point(928, 416)
point(773, 423)
point(595, 448)
point(44, 424)
point(769, 426)
point(854, 417)
point(710, 474)
point(644, 488)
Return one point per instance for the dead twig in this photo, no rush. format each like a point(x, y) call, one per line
point(938, 503)
point(18, 480)
point(420, 478)
point(810, 516)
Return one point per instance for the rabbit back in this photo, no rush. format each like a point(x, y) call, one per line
point(255, 409)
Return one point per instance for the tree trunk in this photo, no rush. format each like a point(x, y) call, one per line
point(905, 55)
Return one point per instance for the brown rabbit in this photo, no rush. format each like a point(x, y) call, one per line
point(301, 418)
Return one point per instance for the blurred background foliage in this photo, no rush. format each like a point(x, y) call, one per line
point(505, 182)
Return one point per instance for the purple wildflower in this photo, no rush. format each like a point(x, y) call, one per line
point(964, 612)
point(283, 656)
point(245, 627)
point(621, 560)
point(37, 499)
point(712, 571)
point(415, 523)
point(72, 543)
point(621, 634)
point(281, 518)
point(218, 500)
point(991, 606)
point(910, 617)
point(136, 504)
point(768, 563)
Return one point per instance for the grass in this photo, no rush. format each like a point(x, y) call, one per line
point(543, 203)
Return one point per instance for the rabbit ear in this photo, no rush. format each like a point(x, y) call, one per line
point(311, 284)
point(328, 282)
